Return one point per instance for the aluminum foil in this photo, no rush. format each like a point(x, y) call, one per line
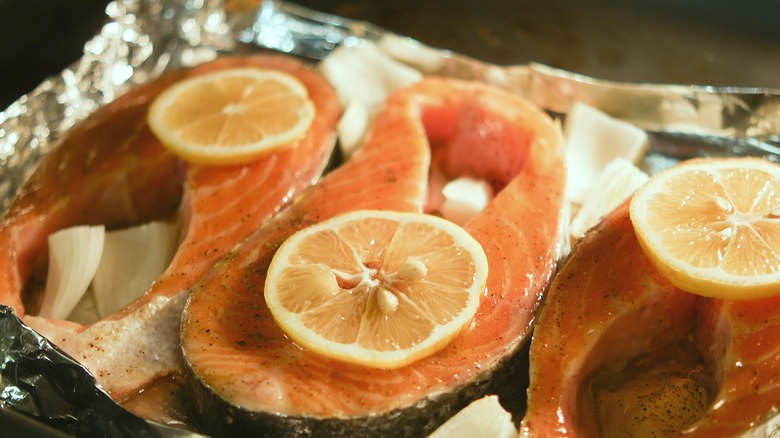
point(144, 38)
point(41, 381)
point(682, 121)
point(141, 40)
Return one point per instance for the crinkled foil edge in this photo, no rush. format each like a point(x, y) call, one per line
point(140, 40)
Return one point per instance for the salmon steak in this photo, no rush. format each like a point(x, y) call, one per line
point(111, 170)
point(620, 352)
point(246, 376)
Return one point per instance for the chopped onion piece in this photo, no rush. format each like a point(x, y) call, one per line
point(615, 184)
point(593, 139)
point(74, 254)
point(436, 182)
point(464, 198)
point(132, 259)
point(363, 76)
point(482, 418)
point(412, 52)
point(366, 74)
point(352, 127)
point(85, 311)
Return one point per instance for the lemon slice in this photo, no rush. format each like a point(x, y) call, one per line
point(712, 226)
point(375, 288)
point(232, 116)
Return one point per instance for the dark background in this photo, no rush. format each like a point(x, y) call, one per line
point(716, 42)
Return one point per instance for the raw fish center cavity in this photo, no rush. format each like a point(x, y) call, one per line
point(659, 393)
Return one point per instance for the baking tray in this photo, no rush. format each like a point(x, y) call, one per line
point(650, 45)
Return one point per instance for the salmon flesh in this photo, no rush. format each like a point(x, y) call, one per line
point(111, 170)
point(619, 351)
point(247, 376)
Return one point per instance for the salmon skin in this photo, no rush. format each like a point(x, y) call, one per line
point(111, 170)
point(246, 376)
point(608, 306)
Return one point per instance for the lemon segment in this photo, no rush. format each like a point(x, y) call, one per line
point(712, 226)
point(232, 116)
point(376, 288)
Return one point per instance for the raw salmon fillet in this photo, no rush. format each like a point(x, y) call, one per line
point(247, 375)
point(609, 305)
point(111, 170)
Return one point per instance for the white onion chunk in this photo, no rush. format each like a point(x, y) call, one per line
point(74, 255)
